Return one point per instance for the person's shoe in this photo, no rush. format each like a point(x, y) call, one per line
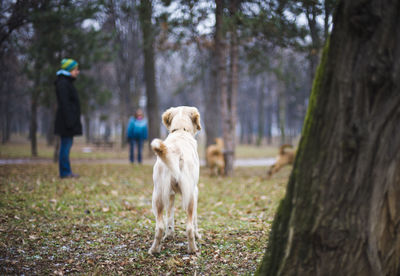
point(72, 175)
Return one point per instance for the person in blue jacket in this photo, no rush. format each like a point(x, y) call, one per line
point(136, 133)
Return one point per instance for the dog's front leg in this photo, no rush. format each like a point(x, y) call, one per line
point(158, 212)
point(170, 217)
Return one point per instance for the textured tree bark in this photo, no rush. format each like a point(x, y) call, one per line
point(145, 13)
point(222, 80)
point(341, 212)
point(211, 98)
point(228, 84)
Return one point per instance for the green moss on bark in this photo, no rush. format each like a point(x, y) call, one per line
point(278, 238)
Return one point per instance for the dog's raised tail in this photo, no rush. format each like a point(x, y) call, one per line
point(162, 151)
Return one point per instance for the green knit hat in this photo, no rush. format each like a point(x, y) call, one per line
point(68, 64)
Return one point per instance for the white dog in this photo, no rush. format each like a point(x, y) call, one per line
point(176, 171)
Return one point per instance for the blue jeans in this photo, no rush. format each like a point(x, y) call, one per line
point(64, 164)
point(139, 143)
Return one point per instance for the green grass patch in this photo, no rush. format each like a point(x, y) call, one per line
point(102, 223)
point(20, 147)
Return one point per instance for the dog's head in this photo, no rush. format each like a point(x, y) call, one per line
point(219, 142)
point(182, 118)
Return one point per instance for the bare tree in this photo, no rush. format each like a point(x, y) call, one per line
point(126, 25)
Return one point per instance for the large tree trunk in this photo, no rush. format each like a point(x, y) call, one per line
point(341, 212)
point(145, 13)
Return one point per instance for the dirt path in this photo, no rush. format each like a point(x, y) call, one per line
point(251, 162)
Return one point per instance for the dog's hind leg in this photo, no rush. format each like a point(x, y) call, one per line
point(190, 229)
point(196, 229)
point(169, 232)
point(158, 208)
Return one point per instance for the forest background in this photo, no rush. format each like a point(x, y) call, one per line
point(247, 65)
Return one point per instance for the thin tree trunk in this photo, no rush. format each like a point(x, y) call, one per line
point(50, 131)
point(87, 128)
point(56, 152)
point(242, 129)
point(222, 85)
point(315, 40)
point(6, 88)
point(250, 129)
point(234, 84)
point(33, 123)
point(228, 91)
point(282, 113)
point(340, 215)
point(261, 112)
point(124, 139)
point(211, 97)
point(6, 123)
point(269, 111)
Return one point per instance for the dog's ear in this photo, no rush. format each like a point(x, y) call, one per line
point(167, 117)
point(195, 116)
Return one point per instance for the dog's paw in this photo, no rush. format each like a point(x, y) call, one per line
point(192, 248)
point(169, 233)
point(192, 251)
point(169, 236)
point(154, 250)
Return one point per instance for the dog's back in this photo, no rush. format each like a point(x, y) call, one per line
point(177, 151)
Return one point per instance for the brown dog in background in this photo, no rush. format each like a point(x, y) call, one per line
point(215, 157)
point(284, 158)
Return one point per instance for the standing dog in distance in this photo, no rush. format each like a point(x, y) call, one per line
point(215, 157)
point(176, 171)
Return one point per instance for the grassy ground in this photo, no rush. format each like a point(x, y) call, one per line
point(20, 148)
point(102, 223)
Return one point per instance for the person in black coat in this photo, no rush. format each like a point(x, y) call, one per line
point(68, 115)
